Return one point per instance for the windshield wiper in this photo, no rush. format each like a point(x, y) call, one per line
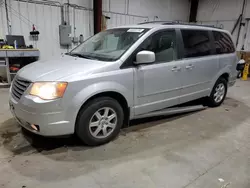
point(80, 55)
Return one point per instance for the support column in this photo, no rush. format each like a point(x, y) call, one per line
point(97, 15)
point(193, 10)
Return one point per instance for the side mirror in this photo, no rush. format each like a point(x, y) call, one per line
point(145, 57)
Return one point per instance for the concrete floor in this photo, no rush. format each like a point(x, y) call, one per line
point(206, 149)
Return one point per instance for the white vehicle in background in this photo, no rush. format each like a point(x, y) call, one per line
point(121, 74)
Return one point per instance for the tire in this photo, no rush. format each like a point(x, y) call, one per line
point(220, 91)
point(94, 127)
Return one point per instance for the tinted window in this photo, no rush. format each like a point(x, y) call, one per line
point(223, 43)
point(196, 43)
point(163, 44)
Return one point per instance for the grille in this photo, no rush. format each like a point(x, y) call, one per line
point(19, 86)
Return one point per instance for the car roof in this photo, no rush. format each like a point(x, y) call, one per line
point(162, 24)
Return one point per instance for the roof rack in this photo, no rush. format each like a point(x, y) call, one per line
point(177, 23)
point(155, 22)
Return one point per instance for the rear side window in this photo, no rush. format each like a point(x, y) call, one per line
point(196, 43)
point(223, 43)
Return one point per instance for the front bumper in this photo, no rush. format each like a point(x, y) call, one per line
point(50, 116)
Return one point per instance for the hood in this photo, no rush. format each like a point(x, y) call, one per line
point(57, 69)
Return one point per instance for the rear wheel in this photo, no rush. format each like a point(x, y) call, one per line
point(218, 93)
point(100, 121)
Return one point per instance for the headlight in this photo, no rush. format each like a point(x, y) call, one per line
point(48, 90)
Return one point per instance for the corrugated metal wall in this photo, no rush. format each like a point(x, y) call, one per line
point(122, 19)
point(224, 13)
point(3, 29)
point(47, 18)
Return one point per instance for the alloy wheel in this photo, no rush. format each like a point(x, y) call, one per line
point(103, 123)
point(219, 94)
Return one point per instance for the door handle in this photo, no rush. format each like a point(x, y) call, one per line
point(176, 69)
point(190, 66)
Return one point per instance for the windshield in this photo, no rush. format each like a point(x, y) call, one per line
point(108, 45)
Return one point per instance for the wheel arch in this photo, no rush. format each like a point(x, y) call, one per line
point(225, 76)
point(114, 95)
point(225, 73)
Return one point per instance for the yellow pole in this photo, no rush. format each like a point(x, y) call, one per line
point(245, 72)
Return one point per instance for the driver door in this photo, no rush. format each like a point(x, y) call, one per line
point(158, 85)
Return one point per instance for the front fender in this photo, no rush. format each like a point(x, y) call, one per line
point(78, 92)
point(86, 93)
point(97, 88)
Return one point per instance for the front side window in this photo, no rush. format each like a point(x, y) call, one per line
point(196, 43)
point(223, 43)
point(163, 44)
point(108, 45)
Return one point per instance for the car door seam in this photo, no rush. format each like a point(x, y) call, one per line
point(156, 93)
point(155, 102)
point(192, 85)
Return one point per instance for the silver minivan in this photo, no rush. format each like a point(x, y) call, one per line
point(122, 74)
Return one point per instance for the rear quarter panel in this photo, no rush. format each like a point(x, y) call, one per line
point(227, 64)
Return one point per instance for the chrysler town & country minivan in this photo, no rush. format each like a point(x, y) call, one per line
point(120, 74)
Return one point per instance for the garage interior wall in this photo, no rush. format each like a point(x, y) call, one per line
point(47, 17)
point(224, 13)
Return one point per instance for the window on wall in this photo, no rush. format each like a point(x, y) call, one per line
point(163, 44)
point(223, 43)
point(196, 43)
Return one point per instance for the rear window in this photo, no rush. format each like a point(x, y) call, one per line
point(196, 43)
point(223, 43)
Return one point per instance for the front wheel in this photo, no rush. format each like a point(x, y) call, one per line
point(218, 93)
point(99, 121)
